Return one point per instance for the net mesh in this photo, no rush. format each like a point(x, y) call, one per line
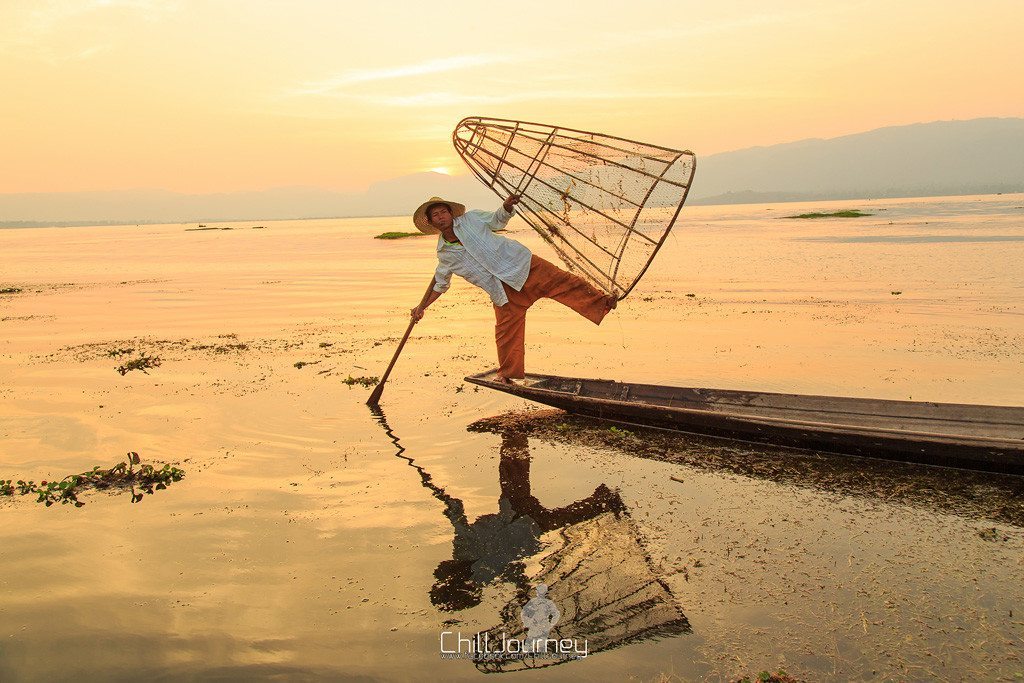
point(605, 204)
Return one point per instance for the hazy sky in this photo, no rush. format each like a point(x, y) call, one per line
point(212, 95)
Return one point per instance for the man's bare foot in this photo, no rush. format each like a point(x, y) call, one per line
point(500, 379)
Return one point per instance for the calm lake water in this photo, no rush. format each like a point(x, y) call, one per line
point(312, 539)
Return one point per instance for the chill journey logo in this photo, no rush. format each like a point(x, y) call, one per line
point(539, 617)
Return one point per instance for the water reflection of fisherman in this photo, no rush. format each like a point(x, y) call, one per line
point(597, 571)
point(492, 546)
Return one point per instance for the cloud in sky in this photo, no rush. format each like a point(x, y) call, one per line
point(445, 99)
point(37, 19)
point(385, 86)
point(57, 31)
point(433, 66)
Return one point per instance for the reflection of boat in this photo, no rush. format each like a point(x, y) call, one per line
point(970, 436)
point(981, 496)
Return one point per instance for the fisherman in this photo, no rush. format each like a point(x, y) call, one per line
point(505, 269)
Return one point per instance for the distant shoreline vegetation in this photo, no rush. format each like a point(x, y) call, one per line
point(398, 235)
point(848, 213)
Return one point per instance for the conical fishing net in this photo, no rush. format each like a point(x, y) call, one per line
point(605, 204)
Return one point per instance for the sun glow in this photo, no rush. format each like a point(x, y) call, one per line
point(443, 170)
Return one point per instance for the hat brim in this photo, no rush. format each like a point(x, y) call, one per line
point(419, 217)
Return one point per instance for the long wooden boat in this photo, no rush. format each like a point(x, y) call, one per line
point(968, 436)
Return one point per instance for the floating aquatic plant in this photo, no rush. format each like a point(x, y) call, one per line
point(123, 475)
point(362, 381)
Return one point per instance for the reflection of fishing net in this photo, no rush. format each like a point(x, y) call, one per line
point(599, 576)
point(605, 204)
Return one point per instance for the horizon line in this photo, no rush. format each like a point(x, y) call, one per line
point(29, 225)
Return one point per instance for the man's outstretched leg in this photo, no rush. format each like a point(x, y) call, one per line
point(550, 281)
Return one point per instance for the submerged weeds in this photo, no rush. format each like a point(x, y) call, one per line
point(141, 363)
point(992, 534)
point(779, 676)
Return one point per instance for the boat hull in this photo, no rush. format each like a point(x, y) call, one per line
point(974, 437)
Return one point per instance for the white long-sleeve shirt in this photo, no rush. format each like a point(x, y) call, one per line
point(484, 258)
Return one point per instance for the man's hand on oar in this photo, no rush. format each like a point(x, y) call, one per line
point(417, 314)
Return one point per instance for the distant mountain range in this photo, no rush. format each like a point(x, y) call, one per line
point(387, 198)
point(925, 159)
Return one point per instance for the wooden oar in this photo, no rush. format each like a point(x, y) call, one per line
point(379, 389)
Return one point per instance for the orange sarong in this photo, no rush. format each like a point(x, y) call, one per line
point(546, 280)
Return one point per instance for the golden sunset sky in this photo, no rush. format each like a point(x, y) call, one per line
point(217, 96)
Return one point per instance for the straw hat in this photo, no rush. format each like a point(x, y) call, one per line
point(419, 218)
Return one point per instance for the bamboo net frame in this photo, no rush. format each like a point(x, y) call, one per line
point(605, 204)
